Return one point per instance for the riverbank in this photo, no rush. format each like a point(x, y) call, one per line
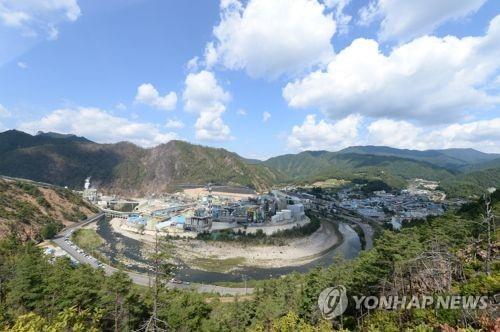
point(215, 256)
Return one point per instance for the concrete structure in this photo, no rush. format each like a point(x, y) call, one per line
point(177, 222)
point(298, 211)
point(115, 214)
point(90, 194)
point(198, 224)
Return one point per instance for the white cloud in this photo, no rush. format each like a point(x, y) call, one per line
point(205, 97)
point(13, 18)
point(368, 13)
point(321, 135)
point(398, 134)
point(211, 55)
point(403, 20)
point(100, 126)
point(271, 38)
point(148, 95)
point(241, 112)
point(174, 124)
point(4, 113)
point(266, 116)
point(53, 33)
point(121, 106)
point(22, 65)
point(33, 16)
point(193, 64)
point(341, 18)
point(429, 79)
point(483, 135)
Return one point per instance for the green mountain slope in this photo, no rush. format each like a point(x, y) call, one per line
point(454, 159)
point(495, 163)
point(123, 167)
point(461, 172)
point(472, 183)
point(318, 165)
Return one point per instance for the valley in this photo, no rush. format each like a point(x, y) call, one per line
point(249, 166)
point(236, 227)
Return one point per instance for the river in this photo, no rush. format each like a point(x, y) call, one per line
point(131, 249)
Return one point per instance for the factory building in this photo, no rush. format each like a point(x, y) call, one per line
point(91, 195)
point(177, 222)
point(198, 224)
point(298, 211)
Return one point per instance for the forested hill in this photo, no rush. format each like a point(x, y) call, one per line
point(35, 212)
point(471, 183)
point(453, 159)
point(311, 166)
point(125, 168)
point(321, 164)
point(462, 172)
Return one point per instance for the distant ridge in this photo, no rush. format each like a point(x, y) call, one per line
point(70, 137)
point(454, 159)
point(128, 169)
point(123, 167)
point(461, 172)
point(309, 166)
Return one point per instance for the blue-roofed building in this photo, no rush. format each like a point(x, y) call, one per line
point(176, 221)
point(136, 220)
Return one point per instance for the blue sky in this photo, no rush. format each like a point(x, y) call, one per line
point(257, 77)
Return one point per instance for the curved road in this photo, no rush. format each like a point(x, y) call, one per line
point(137, 278)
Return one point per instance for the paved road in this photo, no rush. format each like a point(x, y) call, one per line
point(137, 278)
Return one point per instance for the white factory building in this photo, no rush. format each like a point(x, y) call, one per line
point(294, 212)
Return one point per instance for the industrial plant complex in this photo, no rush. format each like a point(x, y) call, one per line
point(186, 214)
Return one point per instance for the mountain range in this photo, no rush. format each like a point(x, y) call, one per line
point(127, 169)
point(454, 159)
point(123, 167)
